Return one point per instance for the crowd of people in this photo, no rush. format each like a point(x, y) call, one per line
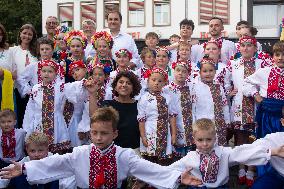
point(161, 119)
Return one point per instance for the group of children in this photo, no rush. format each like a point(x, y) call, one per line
point(192, 97)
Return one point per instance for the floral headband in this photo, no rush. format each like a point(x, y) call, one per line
point(103, 35)
point(163, 48)
point(248, 39)
point(76, 64)
point(218, 43)
point(123, 52)
point(76, 34)
point(149, 72)
point(58, 69)
point(181, 63)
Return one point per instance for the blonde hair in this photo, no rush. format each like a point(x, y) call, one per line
point(37, 138)
point(7, 113)
point(203, 124)
point(184, 44)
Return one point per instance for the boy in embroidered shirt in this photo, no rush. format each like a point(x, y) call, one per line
point(12, 140)
point(99, 165)
point(37, 148)
point(211, 162)
point(266, 86)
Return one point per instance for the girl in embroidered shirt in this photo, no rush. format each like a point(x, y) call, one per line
point(12, 140)
point(163, 56)
point(243, 108)
point(215, 105)
point(157, 119)
point(212, 49)
point(266, 86)
point(44, 112)
point(123, 62)
point(76, 42)
point(61, 51)
point(181, 89)
point(103, 42)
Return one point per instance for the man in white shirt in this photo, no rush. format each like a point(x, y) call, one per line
point(122, 39)
point(228, 47)
point(50, 26)
point(89, 29)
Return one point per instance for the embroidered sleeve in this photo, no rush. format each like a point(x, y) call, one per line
point(142, 111)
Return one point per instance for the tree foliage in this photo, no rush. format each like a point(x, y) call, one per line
point(15, 13)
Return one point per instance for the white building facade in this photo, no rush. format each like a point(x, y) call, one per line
point(163, 16)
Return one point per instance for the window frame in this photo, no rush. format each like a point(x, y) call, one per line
point(144, 24)
point(214, 13)
point(153, 15)
point(58, 12)
point(81, 17)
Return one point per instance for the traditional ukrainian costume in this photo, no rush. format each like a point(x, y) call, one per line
point(269, 83)
point(155, 110)
point(44, 112)
point(184, 117)
point(12, 146)
point(95, 168)
point(209, 101)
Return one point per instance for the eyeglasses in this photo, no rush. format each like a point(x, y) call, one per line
point(52, 23)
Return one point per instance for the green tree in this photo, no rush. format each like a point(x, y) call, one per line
point(15, 13)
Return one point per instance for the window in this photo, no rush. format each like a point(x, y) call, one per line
point(272, 17)
point(110, 5)
point(213, 8)
point(136, 13)
point(65, 12)
point(161, 10)
point(88, 10)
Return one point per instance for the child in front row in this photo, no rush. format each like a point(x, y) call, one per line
point(101, 164)
point(12, 140)
point(157, 119)
point(211, 162)
point(37, 148)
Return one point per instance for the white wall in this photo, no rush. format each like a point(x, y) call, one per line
point(238, 10)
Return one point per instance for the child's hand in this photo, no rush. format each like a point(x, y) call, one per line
point(82, 135)
point(174, 140)
point(1, 73)
point(258, 98)
point(11, 171)
point(144, 141)
point(188, 179)
point(282, 121)
point(233, 93)
point(14, 75)
point(91, 86)
point(278, 151)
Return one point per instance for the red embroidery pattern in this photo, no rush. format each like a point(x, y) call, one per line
point(209, 167)
point(186, 107)
point(103, 169)
point(248, 102)
point(48, 112)
point(221, 127)
point(276, 83)
point(68, 111)
point(8, 144)
point(59, 147)
point(162, 126)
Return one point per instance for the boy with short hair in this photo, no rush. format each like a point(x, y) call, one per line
point(211, 162)
point(12, 140)
point(152, 40)
point(101, 164)
point(174, 39)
